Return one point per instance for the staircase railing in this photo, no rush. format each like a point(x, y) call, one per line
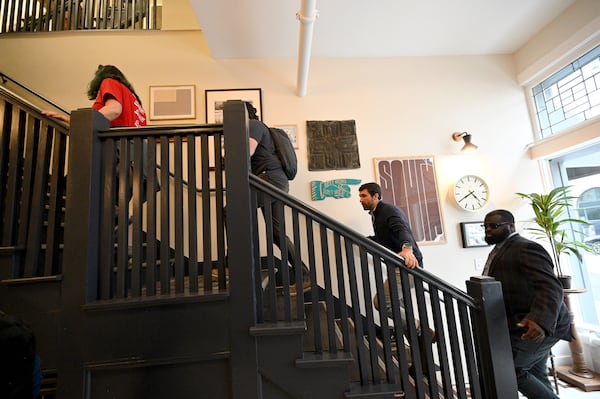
point(32, 187)
point(158, 236)
point(17, 87)
point(427, 338)
point(466, 356)
point(61, 15)
point(471, 354)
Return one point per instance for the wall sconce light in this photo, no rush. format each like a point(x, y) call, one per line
point(468, 147)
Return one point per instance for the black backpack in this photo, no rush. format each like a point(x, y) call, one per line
point(285, 151)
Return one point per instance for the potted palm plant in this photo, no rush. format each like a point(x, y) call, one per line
point(554, 225)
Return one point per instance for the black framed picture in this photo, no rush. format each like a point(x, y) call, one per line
point(215, 98)
point(473, 234)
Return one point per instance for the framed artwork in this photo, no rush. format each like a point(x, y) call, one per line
point(332, 145)
point(172, 102)
point(472, 234)
point(410, 183)
point(216, 98)
point(291, 131)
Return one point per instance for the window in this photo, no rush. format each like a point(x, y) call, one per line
point(581, 170)
point(588, 207)
point(570, 96)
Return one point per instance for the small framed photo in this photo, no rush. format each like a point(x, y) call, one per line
point(473, 234)
point(215, 99)
point(291, 131)
point(172, 102)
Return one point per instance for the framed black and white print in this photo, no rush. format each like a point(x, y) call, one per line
point(215, 98)
point(473, 234)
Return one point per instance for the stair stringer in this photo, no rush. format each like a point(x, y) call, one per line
point(288, 373)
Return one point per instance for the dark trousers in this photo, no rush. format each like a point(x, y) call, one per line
point(531, 366)
point(276, 223)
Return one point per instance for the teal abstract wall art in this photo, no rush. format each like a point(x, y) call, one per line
point(337, 188)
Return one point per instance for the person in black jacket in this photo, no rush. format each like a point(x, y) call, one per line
point(533, 298)
point(265, 164)
point(390, 225)
point(393, 231)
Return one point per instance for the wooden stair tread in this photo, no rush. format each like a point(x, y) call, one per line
point(375, 391)
point(327, 359)
point(279, 328)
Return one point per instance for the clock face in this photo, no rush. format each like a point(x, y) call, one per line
point(471, 193)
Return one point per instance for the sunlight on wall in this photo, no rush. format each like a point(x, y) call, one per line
point(177, 15)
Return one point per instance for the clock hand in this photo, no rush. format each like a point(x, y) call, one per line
point(463, 198)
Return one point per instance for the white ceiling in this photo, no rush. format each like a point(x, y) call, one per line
point(375, 28)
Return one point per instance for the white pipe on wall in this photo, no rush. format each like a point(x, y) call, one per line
point(306, 16)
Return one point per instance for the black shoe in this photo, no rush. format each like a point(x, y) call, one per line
point(379, 334)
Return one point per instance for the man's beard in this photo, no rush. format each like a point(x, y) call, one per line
point(498, 238)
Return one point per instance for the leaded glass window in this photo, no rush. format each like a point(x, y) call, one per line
point(570, 96)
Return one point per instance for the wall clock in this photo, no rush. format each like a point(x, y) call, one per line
point(471, 193)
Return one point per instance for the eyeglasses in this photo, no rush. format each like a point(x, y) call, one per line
point(493, 225)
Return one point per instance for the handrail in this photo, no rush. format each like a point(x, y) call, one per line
point(32, 185)
point(158, 130)
point(6, 78)
point(349, 309)
point(33, 109)
point(384, 253)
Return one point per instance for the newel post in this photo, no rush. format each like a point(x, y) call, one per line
point(82, 213)
point(494, 354)
point(82, 218)
point(240, 255)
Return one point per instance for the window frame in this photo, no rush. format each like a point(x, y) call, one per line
point(586, 313)
point(545, 72)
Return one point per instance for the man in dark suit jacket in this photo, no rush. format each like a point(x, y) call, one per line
point(533, 299)
point(390, 225)
point(393, 231)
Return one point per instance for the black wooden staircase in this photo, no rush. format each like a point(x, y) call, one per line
point(113, 322)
